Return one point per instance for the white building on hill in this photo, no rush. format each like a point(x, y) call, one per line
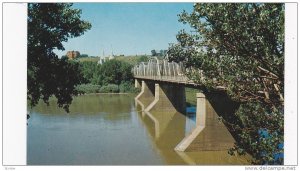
point(104, 59)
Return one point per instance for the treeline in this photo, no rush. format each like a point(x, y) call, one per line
point(112, 76)
point(80, 56)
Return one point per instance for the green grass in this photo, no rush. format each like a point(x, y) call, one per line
point(130, 59)
point(190, 95)
point(90, 59)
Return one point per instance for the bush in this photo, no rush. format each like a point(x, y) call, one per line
point(110, 88)
point(128, 87)
point(88, 88)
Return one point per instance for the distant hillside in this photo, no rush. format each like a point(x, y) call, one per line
point(91, 59)
point(133, 59)
point(130, 59)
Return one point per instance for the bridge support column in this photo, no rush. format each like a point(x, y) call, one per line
point(168, 97)
point(210, 133)
point(201, 110)
point(137, 83)
point(146, 96)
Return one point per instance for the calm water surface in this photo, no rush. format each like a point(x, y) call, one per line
point(111, 130)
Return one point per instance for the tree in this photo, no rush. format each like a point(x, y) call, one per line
point(83, 56)
point(240, 47)
point(50, 24)
point(114, 72)
point(153, 52)
point(90, 71)
point(162, 52)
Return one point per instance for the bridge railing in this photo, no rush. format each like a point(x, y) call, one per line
point(161, 70)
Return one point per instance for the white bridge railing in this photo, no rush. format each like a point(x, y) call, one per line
point(160, 70)
point(163, 70)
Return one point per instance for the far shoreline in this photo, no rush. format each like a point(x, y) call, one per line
point(104, 93)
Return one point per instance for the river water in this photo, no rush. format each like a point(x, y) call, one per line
point(111, 129)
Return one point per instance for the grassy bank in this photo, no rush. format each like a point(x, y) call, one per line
point(110, 88)
point(133, 60)
point(190, 94)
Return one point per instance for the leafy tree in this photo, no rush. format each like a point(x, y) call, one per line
point(153, 52)
point(90, 71)
point(64, 57)
point(83, 56)
point(114, 72)
point(162, 52)
point(240, 47)
point(50, 24)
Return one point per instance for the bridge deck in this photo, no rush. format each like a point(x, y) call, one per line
point(177, 79)
point(171, 79)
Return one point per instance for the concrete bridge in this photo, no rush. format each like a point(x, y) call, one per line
point(162, 86)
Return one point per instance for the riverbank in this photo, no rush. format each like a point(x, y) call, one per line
point(189, 92)
point(125, 87)
point(104, 93)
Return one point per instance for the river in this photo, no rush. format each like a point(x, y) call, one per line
point(111, 129)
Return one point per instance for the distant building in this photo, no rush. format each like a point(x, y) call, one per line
point(111, 57)
point(101, 60)
point(104, 59)
point(73, 54)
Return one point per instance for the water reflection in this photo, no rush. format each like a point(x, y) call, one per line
point(99, 130)
point(168, 129)
point(111, 130)
point(90, 104)
point(190, 120)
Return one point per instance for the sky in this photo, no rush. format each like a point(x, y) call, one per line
point(127, 28)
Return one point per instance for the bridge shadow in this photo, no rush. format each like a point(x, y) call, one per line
point(225, 108)
point(173, 96)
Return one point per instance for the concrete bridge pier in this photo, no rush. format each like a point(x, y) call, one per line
point(162, 97)
point(147, 94)
point(137, 83)
point(160, 102)
point(201, 110)
point(210, 133)
point(171, 96)
point(168, 100)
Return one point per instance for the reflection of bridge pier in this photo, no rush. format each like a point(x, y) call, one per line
point(167, 129)
point(167, 132)
point(160, 102)
point(163, 89)
point(162, 96)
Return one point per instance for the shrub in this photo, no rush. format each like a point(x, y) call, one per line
point(88, 88)
point(128, 87)
point(110, 88)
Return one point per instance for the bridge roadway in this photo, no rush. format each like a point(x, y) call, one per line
point(175, 80)
point(162, 86)
point(171, 79)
